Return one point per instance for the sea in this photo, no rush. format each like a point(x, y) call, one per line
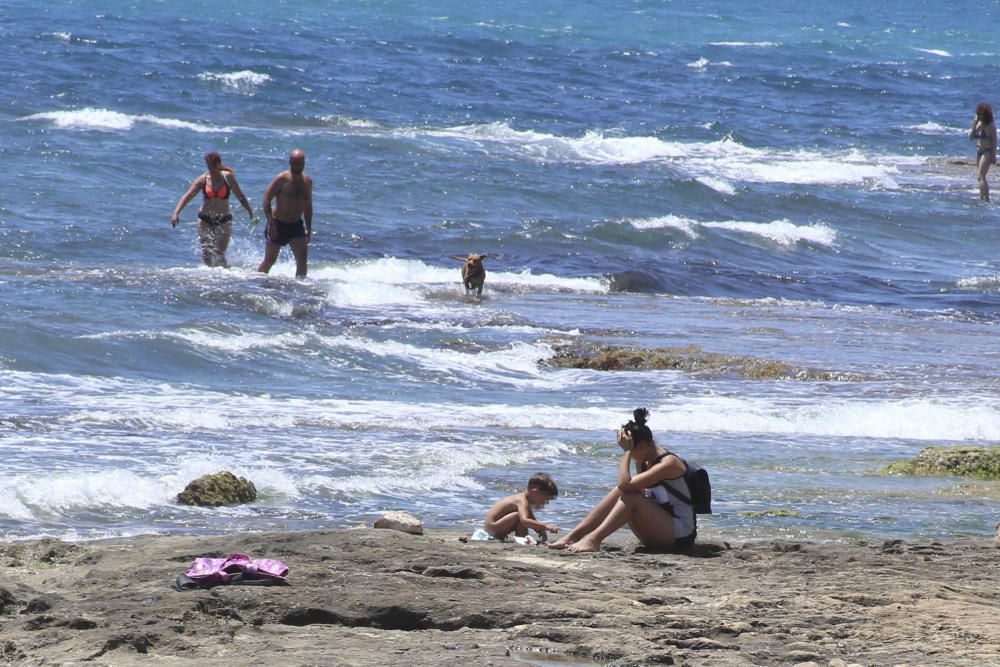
point(766, 181)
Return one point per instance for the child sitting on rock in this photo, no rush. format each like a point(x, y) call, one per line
point(514, 514)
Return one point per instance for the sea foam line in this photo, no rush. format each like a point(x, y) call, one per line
point(155, 405)
point(723, 160)
point(783, 232)
point(106, 120)
point(244, 81)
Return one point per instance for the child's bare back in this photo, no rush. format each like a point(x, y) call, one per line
point(514, 514)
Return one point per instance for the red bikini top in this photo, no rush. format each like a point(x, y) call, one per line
point(221, 193)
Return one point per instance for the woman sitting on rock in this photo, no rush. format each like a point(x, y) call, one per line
point(646, 502)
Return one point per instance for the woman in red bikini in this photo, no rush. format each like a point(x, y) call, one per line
point(215, 222)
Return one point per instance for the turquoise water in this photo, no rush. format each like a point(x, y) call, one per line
point(759, 183)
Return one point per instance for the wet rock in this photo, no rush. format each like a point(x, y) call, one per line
point(689, 359)
point(10, 653)
point(221, 488)
point(7, 601)
point(44, 552)
point(962, 461)
point(401, 521)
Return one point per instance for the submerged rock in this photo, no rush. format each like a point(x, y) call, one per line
point(962, 461)
point(221, 488)
point(979, 489)
point(691, 359)
point(773, 513)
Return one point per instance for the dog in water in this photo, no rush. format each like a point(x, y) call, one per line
point(473, 273)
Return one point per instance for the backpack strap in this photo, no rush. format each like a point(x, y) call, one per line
point(670, 489)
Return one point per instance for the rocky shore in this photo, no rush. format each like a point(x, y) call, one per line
point(383, 597)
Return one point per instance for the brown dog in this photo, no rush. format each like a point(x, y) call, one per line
point(473, 273)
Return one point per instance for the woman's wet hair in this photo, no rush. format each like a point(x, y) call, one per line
point(214, 159)
point(636, 427)
point(984, 112)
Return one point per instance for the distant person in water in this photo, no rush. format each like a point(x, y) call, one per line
point(984, 133)
point(290, 222)
point(658, 517)
point(514, 514)
point(215, 222)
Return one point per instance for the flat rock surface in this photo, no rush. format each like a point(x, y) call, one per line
point(375, 598)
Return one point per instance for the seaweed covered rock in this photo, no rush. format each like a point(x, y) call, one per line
point(961, 461)
point(689, 359)
point(221, 488)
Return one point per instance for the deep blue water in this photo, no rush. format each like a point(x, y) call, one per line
point(759, 182)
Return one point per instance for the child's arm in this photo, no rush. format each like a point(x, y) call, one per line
point(528, 518)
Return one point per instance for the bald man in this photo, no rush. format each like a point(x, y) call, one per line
point(291, 221)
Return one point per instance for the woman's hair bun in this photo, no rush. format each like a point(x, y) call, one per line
point(639, 416)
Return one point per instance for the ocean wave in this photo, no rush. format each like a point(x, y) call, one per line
point(154, 405)
point(245, 81)
point(922, 419)
point(783, 232)
point(716, 164)
point(337, 120)
point(63, 36)
point(931, 127)
point(979, 282)
point(372, 282)
point(441, 468)
point(61, 492)
point(703, 62)
point(113, 121)
point(685, 225)
point(753, 45)
point(934, 52)
point(717, 184)
point(38, 497)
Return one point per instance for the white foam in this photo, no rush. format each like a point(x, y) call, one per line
point(931, 127)
point(591, 147)
point(11, 505)
point(717, 184)
point(971, 417)
point(783, 232)
point(701, 63)
point(979, 282)
point(716, 164)
point(394, 281)
point(28, 498)
point(447, 467)
point(245, 81)
point(346, 121)
point(753, 45)
point(114, 121)
point(911, 419)
point(237, 342)
point(685, 225)
point(60, 492)
point(934, 52)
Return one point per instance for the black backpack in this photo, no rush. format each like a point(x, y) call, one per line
point(698, 484)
